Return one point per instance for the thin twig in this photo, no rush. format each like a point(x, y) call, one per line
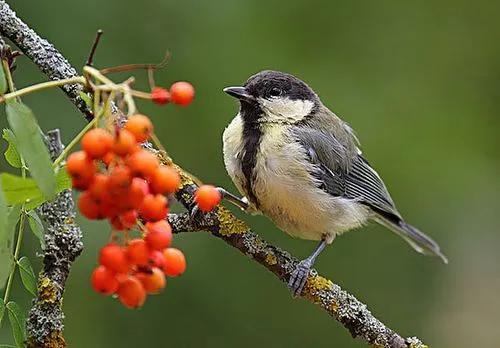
point(90, 59)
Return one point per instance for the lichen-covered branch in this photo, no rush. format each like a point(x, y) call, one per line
point(341, 305)
point(63, 244)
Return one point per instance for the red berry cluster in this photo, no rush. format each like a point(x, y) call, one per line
point(127, 185)
point(181, 93)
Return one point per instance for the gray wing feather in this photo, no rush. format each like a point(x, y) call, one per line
point(342, 172)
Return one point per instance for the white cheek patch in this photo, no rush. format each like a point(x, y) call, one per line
point(285, 109)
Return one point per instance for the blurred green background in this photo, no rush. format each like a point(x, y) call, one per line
point(419, 81)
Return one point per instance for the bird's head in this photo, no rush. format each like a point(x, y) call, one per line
point(274, 97)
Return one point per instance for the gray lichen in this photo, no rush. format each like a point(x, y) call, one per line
point(63, 244)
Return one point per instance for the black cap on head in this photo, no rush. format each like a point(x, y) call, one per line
point(269, 83)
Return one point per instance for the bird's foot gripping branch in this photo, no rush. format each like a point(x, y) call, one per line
point(137, 261)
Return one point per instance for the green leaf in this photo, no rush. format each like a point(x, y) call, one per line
point(7, 346)
point(2, 310)
point(19, 190)
point(36, 227)
point(27, 275)
point(3, 232)
point(3, 80)
point(17, 323)
point(31, 146)
point(11, 154)
point(6, 242)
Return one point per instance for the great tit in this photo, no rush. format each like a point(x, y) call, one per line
point(298, 163)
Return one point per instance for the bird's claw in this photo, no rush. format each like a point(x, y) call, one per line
point(196, 213)
point(299, 276)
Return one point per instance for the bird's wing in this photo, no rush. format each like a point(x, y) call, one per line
point(342, 172)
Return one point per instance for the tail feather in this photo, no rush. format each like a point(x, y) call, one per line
point(417, 239)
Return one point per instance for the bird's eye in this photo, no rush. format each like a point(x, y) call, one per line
point(275, 92)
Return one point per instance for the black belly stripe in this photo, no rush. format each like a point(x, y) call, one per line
point(252, 136)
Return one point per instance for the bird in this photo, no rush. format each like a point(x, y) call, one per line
point(296, 162)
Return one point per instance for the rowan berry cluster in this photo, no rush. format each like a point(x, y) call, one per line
point(126, 184)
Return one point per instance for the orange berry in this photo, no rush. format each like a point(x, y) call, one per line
point(131, 293)
point(108, 158)
point(114, 258)
point(165, 180)
point(156, 258)
point(138, 190)
point(119, 181)
point(143, 163)
point(152, 281)
point(104, 281)
point(125, 143)
point(124, 221)
point(98, 187)
point(182, 93)
point(129, 218)
point(159, 235)
point(89, 207)
point(138, 252)
point(160, 96)
point(175, 262)
point(97, 142)
point(207, 197)
point(140, 126)
point(153, 208)
point(80, 166)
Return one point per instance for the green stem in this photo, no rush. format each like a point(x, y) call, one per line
point(73, 142)
point(8, 76)
point(40, 86)
point(19, 242)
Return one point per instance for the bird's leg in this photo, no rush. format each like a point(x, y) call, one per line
point(241, 203)
point(299, 276)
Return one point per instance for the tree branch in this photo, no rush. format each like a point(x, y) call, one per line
point(341, 305)
point(63, 244)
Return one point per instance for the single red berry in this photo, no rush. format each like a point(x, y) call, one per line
point(117, 223)
point(182, 93)
point(89, 207)
point(207, 197)
point(143, 163)
point(152, 281)
point(153, 208)
point(175, 262)
point(160, 96)
point(165, 180)
point(138, 252)
point(129, 218)
point(138, 190)
point(159, 235)
point(156, 259)
point(114, 258)
point(104, 281)
point(119, 181)
point(140, 126)
point(99, 187)
point(131, 293)
point(97, 142)
point(80, 166)
point(108, 158)
point(125, 143)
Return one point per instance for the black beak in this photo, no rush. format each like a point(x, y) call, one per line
point(239, 93)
